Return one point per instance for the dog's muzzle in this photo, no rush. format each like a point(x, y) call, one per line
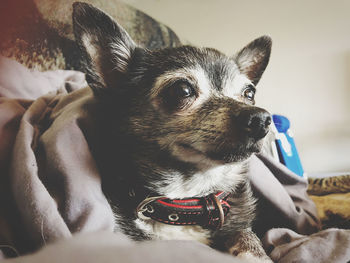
point(208, 211)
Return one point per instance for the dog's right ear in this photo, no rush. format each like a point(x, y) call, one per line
point(105, 46)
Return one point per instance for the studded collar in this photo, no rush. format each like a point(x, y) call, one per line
point(208, 212)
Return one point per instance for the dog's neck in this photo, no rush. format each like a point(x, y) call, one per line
point(170, 177)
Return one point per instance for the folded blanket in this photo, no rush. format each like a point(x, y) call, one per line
point(50, 187)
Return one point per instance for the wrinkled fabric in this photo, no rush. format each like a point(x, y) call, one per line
point(50, 187)
point(282, 198)
point(17, 81)
point(330, 245)
point(110, 248)
point(50, 184)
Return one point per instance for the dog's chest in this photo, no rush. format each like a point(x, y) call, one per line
point(157, 230)
point(223, 178)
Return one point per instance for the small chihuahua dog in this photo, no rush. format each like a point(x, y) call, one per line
point(176, 130)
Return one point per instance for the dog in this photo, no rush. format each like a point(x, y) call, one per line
point(177, 128)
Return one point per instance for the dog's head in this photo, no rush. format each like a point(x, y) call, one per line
point(194, 103)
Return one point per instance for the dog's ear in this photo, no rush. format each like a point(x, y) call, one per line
point(253, 58)
point(105, 46)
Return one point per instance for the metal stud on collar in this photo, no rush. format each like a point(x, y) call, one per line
point(173, 217)
point(149, 209)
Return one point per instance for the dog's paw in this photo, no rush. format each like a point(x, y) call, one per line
point(248, 247)
point(254, 256)
point(251, 258)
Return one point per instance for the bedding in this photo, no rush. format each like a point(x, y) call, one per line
point(107, 247)
point(50, 187)
point(331, 195)
point(52, 208)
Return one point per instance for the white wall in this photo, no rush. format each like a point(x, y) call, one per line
point(308, 78)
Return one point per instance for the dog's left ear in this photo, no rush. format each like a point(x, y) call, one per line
point(106, 48)
point(253, 58)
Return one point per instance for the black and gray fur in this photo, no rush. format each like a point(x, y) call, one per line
point(175, 122)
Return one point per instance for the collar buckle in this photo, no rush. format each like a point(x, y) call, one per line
point(145, 206)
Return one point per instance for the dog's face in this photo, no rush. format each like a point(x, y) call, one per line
point(195, 103)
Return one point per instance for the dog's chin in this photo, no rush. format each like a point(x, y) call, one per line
point(236, 153)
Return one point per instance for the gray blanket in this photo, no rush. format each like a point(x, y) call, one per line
point(50, 187)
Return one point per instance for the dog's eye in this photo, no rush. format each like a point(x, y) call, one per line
point(183, 90)
point(249, 92)
point(178, 96)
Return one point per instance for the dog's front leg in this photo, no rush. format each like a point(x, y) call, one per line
point(244, 244)
point(247, 245)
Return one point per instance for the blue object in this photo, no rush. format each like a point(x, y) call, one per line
point(287, 151)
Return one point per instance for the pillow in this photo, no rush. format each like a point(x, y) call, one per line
point(39, 33)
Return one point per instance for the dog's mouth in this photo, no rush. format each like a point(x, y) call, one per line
point(235, 154)
point(226, 154)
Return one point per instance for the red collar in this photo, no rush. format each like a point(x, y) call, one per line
point(208, 211)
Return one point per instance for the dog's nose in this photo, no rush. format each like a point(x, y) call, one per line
point(254, 122)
